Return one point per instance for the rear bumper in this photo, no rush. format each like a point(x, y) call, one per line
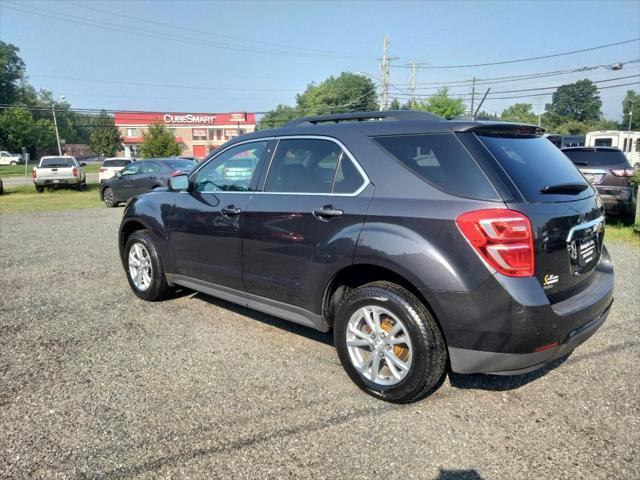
point(505, 325)
point(617, 200)
point(50, 182)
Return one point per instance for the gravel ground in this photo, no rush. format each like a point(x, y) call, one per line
point(96, 383)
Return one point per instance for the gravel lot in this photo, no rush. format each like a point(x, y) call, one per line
point(95, 383)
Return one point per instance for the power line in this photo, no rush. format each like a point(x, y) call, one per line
point(519, 60)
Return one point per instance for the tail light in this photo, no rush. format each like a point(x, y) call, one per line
point(102, 170)
point(176, 173)
point(623, 172)
point(75, 171)
point(34, 174)
point(503, 238)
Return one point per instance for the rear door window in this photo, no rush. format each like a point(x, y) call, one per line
point(441, 160)
point(533, 164)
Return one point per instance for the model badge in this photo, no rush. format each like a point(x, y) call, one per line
point(549, 280)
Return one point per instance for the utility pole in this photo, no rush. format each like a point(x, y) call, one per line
point(414, 72)
point(473, 94)
point(384, 75)
point(55, 124)
point(630, 115)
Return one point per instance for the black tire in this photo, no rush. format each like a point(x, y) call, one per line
point(429, 355)
point(108, 198)
point(13, 163)
point(158, 288)
point(39, 189)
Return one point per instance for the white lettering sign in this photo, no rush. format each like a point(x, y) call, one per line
point(189, 118)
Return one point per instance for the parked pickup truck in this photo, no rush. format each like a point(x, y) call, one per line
point(57, 171)
point(7, 158)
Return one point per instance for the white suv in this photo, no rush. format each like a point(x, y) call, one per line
point(110, 166)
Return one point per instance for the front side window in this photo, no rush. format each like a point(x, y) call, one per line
point(441, 160)
point(311, 166)
point(232, 170)
point(131, 169)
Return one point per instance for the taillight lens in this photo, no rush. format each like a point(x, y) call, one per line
point(75, 172)
point(623, 172)
point(176, 173)
point(503, 238)
point(102, 170)
point(34, 174)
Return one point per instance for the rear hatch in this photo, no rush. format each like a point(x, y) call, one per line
point(565, 211)
point(601, 166)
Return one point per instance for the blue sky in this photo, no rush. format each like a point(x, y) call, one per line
point(250, 56)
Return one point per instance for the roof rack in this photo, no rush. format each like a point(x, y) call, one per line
point(393, 115)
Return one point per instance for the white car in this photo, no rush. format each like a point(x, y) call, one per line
point(110, 166)
point(7, 158)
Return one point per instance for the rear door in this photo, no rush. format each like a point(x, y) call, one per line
point(304, 225)
point(565, 211)
point(124, 187)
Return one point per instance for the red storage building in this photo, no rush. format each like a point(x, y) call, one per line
point(196, 133)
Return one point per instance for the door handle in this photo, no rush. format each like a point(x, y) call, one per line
point(231, 211)
point(327, 212)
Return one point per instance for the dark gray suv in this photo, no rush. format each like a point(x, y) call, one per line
point(425, 244)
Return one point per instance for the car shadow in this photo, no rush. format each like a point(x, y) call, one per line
point(498, 383)
point(307, 332)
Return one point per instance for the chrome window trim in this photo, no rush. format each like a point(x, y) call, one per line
point(359, 168)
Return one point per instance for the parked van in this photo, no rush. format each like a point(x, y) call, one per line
point(628, 142)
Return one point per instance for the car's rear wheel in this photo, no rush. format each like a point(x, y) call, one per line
point(389, 343)
point(145, 271)
point(108, 197)
point(39, 189)
point(13, 163)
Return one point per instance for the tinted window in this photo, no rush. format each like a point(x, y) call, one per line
point(151, 167)
point(348, 178)
point(603, 142)
point(592, 158)
point(303, 166)
point(116, 163)
point(57, 162)
point(232, 170)
point(533, 163)
point(131, 169)
point(442, 161)
point(181, 164)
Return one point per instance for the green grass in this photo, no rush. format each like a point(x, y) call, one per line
point(615, 231)
point(18, 170)
point(24, 198)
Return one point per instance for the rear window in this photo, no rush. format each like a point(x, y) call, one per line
point(442, 161)
point(534, 163)
point(594, 158)
point(116, 163)
point(182, 165)
point(57, 162)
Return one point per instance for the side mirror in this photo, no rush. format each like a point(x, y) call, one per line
point(118, 174)
point(179, 183)
point(83, 164)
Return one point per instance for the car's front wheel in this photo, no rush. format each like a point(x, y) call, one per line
point(109, 198)
point(389, 343)
point(145, 271)
point(39, 189)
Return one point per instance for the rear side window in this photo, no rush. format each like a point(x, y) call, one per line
point(594, 158)
point(533, 163)
point(312, 166)
point(442, 161)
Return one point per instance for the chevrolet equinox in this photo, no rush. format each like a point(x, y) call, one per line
point(425, 244)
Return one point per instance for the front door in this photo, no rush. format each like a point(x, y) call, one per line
point(205, 223)
point(304, 226)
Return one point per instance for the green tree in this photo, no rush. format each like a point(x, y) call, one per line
point(19, 129)
point(106, 138)
point(442, 104)
point(520, 112)
point(348, 92)
point(395, 104)
point(577, 101)
point(278, 117)
point(631, 103)
point(11, 73)
point(157, 141)
point(486, 116)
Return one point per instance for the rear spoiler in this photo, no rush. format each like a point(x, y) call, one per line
point(505, 128)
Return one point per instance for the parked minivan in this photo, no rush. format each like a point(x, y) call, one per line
point(426, 245)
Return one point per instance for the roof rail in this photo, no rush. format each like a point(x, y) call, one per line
point(393, 115)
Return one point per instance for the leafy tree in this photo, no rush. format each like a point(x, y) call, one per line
point(157, 141)
point(442, 104)
point(348, 92)
point(520, 112)
point(572, 128)
point(106, 138)
point(632, 99)
point(11, 73)
point(577, 101)
point(486, 116)
point(19, 129)
point(278, 117)
point(395, 104)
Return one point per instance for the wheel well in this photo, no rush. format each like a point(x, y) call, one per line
point(128, 229)
point(355, 276)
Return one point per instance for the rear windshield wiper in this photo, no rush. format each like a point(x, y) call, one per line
point(581, 163)
point(567, 188)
